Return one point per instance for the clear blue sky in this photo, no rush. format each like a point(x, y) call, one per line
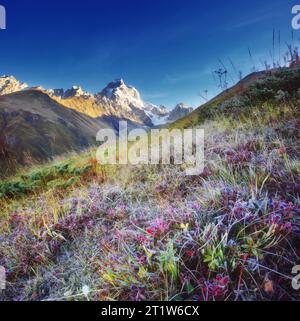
point(165, 48)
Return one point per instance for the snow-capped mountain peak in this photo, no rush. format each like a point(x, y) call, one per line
point(9, 84)
point(122, 94)
point(75, 91)
point(181, 110)
point(161, 115)
point(156, 110)
point(181, 106)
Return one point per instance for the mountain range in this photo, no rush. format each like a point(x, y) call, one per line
point(117, 99)
point(37, 123)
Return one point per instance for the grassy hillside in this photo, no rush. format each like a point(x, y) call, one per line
point(34, 128)
point(257, 89)
point(75, 230)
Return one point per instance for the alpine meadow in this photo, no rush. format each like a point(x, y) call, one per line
point(196, 198)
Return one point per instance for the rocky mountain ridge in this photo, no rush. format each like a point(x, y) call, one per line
point(116, 100)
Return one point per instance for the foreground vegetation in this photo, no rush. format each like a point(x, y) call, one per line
point(75, 230)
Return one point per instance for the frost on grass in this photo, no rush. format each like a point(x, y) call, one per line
point(152, 233)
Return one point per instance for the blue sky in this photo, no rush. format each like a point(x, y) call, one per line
point(166, 49)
